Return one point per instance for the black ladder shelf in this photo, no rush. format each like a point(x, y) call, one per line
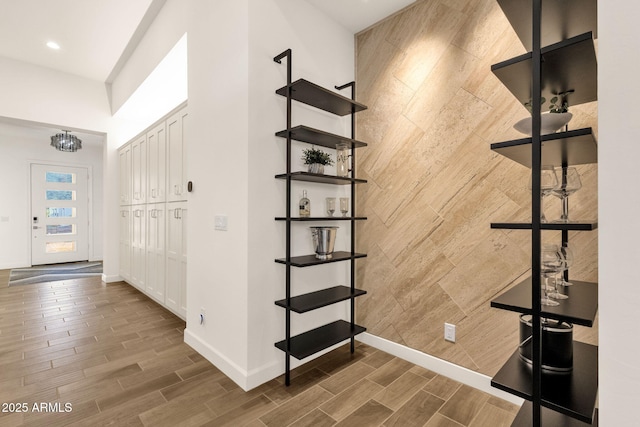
point(561, 59)
point(323, 337)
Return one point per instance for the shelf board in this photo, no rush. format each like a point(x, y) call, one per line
point(323, 218)
point(315, 340)
point(319, 137)
point(318, 299)
point(524, 418)
point(309, 260)
point(560, 19)
point(581, 307)
point(572, 394)
point(568, 65)
point(311, 94)
point(569, 226)
point(575, 147)
point(324, 179)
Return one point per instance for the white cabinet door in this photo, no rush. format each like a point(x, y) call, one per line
point(176, 146)
point(139, 168)
point(157, 164)
point(138, 253)
point(155, 247)
point(176, 276)
point(125, 242)
point(124, 157)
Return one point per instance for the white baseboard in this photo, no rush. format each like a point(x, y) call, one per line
point(455, 372)
point(111, 279)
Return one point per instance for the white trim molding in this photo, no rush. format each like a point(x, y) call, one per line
point(455, 372)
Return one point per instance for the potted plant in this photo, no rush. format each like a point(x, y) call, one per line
point(556, 117)
point(316, 160)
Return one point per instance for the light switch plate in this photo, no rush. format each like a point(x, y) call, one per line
point(450, 332)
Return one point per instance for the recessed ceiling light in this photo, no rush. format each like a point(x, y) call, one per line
point(53, 45)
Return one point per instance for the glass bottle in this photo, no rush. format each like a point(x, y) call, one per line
point(305, 205)
point(342, 159)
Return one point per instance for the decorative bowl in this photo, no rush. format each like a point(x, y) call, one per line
point(549, 123)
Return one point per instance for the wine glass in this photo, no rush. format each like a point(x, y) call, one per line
point(548, 181)
point(550, 263)
point(331, 205)
point(568, 184)
point(568, 255)
point(344, 206)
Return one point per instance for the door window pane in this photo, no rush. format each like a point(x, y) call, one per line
point(61, 177)
point(61, 229)
point(61, 195)
point(57, 247)
point(61, 212)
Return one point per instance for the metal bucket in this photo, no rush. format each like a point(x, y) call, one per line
point(324, 239)
point(557, 344)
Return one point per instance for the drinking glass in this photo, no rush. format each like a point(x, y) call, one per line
point(344, 206)
point(550, 263)
point(548, 181)
point(331, 205)
point(567, 253)
point(568, 183)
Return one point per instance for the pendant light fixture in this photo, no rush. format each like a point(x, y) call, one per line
point(66, 142)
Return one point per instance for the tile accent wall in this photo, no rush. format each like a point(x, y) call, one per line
point(435, 186)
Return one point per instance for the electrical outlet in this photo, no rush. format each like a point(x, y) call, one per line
point(450, 332)
point(203, 314)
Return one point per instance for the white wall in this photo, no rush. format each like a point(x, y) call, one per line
point(233, 156)
point(322, 52)
point(18, 149)
point(43, 95)
point(619, 210)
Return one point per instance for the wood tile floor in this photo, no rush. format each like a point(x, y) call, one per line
point(117, 358)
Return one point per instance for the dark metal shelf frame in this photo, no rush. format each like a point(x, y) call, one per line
point(573, 394)
point(569, 65)
point(580, 309)
point(559, 226)
point(322, 218)
point(319, 137)
point(314, 300)
point(315, 340)
point(318, 339)
point(575, 147)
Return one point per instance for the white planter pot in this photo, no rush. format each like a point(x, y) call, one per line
point(316, 168)
point(549, 123)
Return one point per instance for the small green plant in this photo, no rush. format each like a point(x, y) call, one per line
point(557, 104)
point(312, 155)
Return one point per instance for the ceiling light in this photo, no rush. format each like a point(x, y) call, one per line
point(53, 45)
point(66, 142)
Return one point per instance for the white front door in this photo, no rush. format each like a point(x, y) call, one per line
point(59, 214)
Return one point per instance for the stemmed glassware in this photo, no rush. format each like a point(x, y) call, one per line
point(568, 256)
point(344, 206)
point(550, 264)
point(331, 205)
point(568, 184)
point(548, 181)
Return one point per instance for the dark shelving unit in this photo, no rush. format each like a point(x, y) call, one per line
point(310, 260)
point(575, 147)
point(322, 218)
point(321, 178)
point(562, 19)
point(561, 61)
point(567, 65)
point(316, 96)
point(319, 299)
point(559, 226)
point(315, 340)
point(318, 339)
point(572, 393)
point(319, 137)
point(580, 309)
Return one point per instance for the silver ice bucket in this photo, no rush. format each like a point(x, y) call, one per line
point(324, 239)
